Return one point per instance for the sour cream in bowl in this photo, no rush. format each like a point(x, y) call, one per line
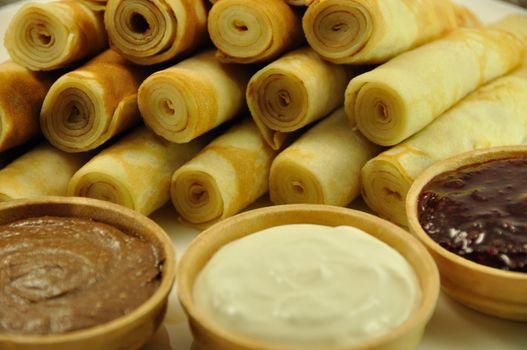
point(307, 277)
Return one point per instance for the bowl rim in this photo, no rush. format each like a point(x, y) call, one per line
point(167, 276)
point(420, 315)
point(450, 164)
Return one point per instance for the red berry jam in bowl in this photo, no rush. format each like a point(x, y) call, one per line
point(479, 212)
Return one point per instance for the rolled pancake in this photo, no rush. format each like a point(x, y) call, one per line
point(134, 172)
point(371, 31)
point(43, 171)
point(21, 95)
point(494, 115)
point(149, 32)
point(300, 2)
point(96, 5)
point(88, 106)
point(194, 96)
point(294, 91)
point(229, 174)
point(466, 18)
point(11, 154)
point(47, 36)
point(250, 31)
point(515, 24)
point(399, 98)
point(290, 2)
point(323, 165)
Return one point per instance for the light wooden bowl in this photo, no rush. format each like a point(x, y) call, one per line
point(128, 332)
point(489, 290)
point(211, 337)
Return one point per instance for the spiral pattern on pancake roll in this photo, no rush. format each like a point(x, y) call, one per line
point(225, 177)
point(371, 31)
point(294, 91)
point(134, 172)
point(250, 31)
point(88, 106)
point(151, 32)
point(55, 35)
point(192, 97)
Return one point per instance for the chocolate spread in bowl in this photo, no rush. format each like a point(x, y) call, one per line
point(63, 274)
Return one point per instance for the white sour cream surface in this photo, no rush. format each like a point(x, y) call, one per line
point(307, 285)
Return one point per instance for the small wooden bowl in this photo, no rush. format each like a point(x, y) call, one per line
point(489, 290)
point(127, 332)
point(211, 337)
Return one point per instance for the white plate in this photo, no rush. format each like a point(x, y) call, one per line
point(452, 327)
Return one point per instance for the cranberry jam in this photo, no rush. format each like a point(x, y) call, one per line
point(479, 212)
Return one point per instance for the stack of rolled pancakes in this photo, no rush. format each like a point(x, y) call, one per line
point(214, 104)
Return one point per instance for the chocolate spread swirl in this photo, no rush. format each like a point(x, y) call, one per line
point(63, 274)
